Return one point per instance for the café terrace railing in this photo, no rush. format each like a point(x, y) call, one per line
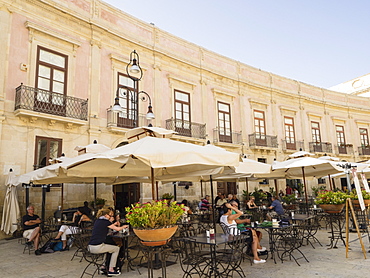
point(320, 147)
point(258, 140)
point(364, 150)
point(234, 138)
point(33, 99)
point(185, 128)
point(297, 145)
point(344, 149)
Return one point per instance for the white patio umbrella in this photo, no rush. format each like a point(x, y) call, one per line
point(53, 173)
point(153, 157)
point(306, 167)
point(144, 131)
point(11, 207)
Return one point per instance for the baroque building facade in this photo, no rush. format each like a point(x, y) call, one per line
point(63, 62)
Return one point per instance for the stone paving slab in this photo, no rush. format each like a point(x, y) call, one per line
point(323, 263)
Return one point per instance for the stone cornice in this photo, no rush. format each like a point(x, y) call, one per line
point(32, 26)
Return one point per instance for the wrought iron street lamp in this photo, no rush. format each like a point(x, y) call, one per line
point(135, 73)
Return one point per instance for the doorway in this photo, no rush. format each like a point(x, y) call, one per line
point(125, 195)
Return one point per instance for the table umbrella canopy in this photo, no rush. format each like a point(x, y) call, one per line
point(11, 207)
point(54, 173)
point(312, 167)
point(246, 169)
point(144, 131)
point(152, 157)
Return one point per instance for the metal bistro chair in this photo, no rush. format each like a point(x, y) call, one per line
point(95, 261)
point(80, 235)
point(247, 254)
point(288, 243)
point(230, 259)
point(192, 259)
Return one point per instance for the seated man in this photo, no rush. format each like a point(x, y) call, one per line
point(277, 209)
point(204, 203)
point(31, 225)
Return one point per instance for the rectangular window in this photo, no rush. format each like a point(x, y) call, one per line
point(126, 92)
point(315, 129)
point(46, 148)
point(341, 140)
point(364, 137)
point(289, 133)
point(182, 113)
point(51, 80)
point(224, 122)
point(316, 137)
point(260, 127)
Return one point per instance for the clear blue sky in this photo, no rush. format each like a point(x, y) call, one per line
point(319, 42)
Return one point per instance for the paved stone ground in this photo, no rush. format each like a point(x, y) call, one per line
point(323, 262)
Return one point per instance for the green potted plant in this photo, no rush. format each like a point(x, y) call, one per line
point(290, 201)
point(167, 196)
point(330, 201)
point(100, 202)
point(366, 197)
point(154, 221)
point(259, 196)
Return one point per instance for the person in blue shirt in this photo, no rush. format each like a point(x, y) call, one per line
point(277, 209)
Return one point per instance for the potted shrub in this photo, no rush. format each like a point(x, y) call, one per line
point(353, 195)
point(154, 221)
point(289, 202)
point(100, 202)
point(167, 196)
point(330, 201)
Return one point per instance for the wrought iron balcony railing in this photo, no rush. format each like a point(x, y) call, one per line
point(344, 149)
point(320, 147)
point(364, 150)
point(292, 146)
point(261, 140)
point(38, 100)
point(185, 128)
point(233, 138)
point(121, 119)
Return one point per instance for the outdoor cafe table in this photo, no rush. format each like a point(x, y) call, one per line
point(122, 240)
point(219, 239)
point(336, 223)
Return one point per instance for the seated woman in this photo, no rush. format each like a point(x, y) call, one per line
point(251, 204)
point(229, 219)
point(187, 210)
point(98, 237)
point(79, 219)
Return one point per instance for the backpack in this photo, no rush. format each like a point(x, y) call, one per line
point(47, 247)
point(58, 246)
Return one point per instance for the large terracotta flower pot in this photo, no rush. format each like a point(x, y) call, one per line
point(155, 234)
point(356, 204)
point(329, 208)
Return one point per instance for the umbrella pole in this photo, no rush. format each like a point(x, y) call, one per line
point(213, 209)
point(153, 186)
point(62, 197)
point(174, 190)
point(43, 201)
point(247, 186)
point(201, 188)
point(331, 187)
point(27, 186)
point(95, 194)
point(276, 188)
point(305, 189)
point(156, 190)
